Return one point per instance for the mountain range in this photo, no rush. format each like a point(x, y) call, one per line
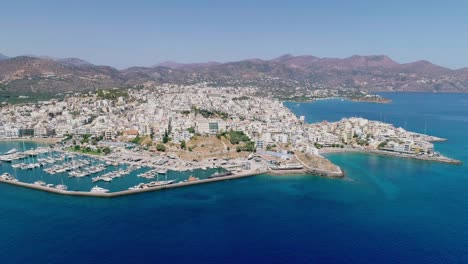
point(3, 57)
point(25, 74)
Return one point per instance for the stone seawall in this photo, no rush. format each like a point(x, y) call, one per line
point(129, 192)
point(441, 159)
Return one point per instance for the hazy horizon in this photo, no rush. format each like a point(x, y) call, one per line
point(144, 33)
point(44, 56)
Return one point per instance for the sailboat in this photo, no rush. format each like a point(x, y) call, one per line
point(160, 183)
point(12, 151)
point(168, 181)
point(61, 187)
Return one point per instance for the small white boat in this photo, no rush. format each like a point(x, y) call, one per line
point(12, 151)
point(6, 176)
point(137, 187)
point(40, 183)
point(61, 187)
point(16, 166)
point(160, 183)
point(106, 179)
point(97, 189)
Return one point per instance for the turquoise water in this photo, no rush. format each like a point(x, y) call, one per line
point(387, 210)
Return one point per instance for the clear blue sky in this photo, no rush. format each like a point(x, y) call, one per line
point(138, 32)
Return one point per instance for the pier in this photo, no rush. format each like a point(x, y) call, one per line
point(134, 191)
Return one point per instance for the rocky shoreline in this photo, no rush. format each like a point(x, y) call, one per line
point(318, 165)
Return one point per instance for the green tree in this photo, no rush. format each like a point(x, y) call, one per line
point(160, 147)
point(136, 140)
point(169, 127)
point(106, 151)
point(166, 137)
point(183, 145)
point(235, 137)
point(381, 145)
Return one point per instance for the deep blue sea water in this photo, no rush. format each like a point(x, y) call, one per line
point(387, 210)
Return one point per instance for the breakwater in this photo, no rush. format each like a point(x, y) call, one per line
point(134, 191)
point(441, 159)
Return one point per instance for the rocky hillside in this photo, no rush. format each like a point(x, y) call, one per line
point(283, 74)
point(374, 73)
point(27, 74)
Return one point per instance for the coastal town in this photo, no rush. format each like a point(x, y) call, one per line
point(191, 127)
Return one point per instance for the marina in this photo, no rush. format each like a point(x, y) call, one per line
point(40, 167)
point(141, 188)
point(54, 170)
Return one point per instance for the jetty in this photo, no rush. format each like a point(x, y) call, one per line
point(133, 191)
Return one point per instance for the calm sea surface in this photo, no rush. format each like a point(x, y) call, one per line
point(387, 210)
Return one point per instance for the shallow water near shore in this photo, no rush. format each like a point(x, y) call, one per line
point(386, 210)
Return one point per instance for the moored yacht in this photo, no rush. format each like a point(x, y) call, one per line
point(163, 171)
point(160, 183)
point(40, 183)
point(8, 177)
point(16, 166)
point(97, 189)
point(61, 187)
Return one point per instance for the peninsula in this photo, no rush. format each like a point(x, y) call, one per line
point(187, 128)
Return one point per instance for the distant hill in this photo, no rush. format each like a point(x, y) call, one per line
point(284, 74)
point(374, 73)
point(3, 57)
point(26, 74)
point(74, 62)
point(176, 65)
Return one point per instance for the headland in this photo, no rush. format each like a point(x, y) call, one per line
point(229, 129)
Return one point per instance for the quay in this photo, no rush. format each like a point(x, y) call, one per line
point(134, 191)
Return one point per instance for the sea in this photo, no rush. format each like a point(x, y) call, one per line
point(386, 209)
